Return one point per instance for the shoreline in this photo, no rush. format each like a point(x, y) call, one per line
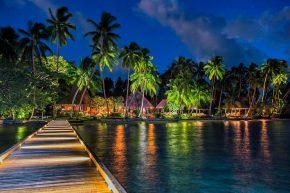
point(135, 120)
point(19, 122)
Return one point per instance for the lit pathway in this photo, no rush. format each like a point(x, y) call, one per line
point(51, 161)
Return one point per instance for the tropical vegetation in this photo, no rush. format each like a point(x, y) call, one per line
point(35, 79)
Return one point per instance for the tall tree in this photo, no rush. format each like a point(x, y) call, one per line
point(33, 45)
point(240, 73)
point(269, 69)
point(179, 93)
point(8, 43)
point(59, 27)
point(277, 81)
point(180, 65)
point(105, 50)
point(254, 80)
point(215, 70)
point(145, 77)
point(87, 64)
point(83, 79)
point(130, 56)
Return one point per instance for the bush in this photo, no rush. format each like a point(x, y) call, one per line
point(116, 115)
point(185, 116)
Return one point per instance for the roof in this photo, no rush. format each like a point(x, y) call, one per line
point(135, 100)
point(162, 104)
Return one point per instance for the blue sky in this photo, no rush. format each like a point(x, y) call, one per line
point(240, 31)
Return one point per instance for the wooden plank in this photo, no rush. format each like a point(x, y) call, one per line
point(112, 182)
point(52, 160)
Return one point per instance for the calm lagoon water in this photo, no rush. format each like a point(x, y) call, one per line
point(195, 156)
point(12, 134)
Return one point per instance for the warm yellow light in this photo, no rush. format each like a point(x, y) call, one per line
point(56, 134)
point(53, 138)
point(53, 146)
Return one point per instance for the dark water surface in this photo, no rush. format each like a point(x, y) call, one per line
point(195, 156)
point(12, 134)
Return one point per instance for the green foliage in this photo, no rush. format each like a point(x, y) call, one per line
point(280, 79)
point(59, 26)
point(183, 93)
point(15, 90)
point(54, 64)
point(105, 50)
point(130, 55)
point(145, 77)
point(215, 69)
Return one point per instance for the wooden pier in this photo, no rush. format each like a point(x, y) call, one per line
point(54, 159)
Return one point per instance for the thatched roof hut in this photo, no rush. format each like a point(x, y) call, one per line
point(135, 100)
point(162, 104)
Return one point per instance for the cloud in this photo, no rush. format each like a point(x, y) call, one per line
point(244, 28)
point(273, 29)
point(44, 5)
point(208, 35)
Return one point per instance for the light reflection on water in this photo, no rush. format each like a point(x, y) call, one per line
point(195, 156)
point(12, 134)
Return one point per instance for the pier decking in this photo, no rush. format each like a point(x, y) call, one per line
point(52, 160)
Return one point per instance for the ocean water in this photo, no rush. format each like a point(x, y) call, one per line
point(12, 134)
point(195, 156)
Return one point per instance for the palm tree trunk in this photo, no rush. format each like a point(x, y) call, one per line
point(127, 93)
point(253, 97)
point(264, 87)
point(221, 98)
point(82, 97)
point(90, 107)
point(273, 94)
point(249, 94)
point(212, 97)
point(73, 102)
point(251, 102)
point(240, 88)
point(34, 86)
point(57, 51)
point(13, 115)
point(142, 104)
point(285, 96)
point(105, 96)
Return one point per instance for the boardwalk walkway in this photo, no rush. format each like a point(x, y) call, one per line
point(53, 160)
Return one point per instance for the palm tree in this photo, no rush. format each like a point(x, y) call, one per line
point(178, 94)
point(215, 70)
point(254, 80)
point(87, 64)
point(105, 50)
point(240, 73)
point(277, 81)
point(130, 56)
point(199, 95)
point(82, 78)
point(145, 77)
point(8, 43)
point(269, 69)
point(200, 74)
point(60, 28)
point(32, 46)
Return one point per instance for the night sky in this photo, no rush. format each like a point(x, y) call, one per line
point(240, 31)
